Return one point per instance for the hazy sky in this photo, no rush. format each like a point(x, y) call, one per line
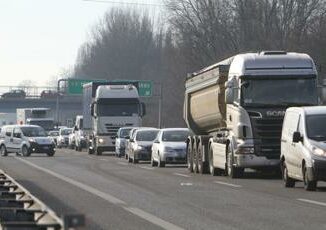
point(38, 38)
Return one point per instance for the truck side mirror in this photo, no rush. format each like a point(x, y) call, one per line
point(229, 96)
point(143, 109)
point(297, 137)
point(93, 114)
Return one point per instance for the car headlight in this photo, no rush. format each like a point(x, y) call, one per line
point(31, 140)
point(139, 147)
point(319, 152)
point(101, 140)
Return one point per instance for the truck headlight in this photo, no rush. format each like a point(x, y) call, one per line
point(319, 152)
point(245, 150)
point(101, 140)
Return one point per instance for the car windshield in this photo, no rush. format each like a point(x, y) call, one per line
point(65, 131)
point(124, 133)
point(146, 135)
point(315, 130)
point(175, 136)
point(33, 131)
point(285, 92)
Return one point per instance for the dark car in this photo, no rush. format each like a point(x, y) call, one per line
point(15, 93)
point(49, 94)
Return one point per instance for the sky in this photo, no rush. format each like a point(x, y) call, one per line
point(40, 38)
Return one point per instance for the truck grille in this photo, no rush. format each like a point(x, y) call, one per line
point(267, 135)
point(112, 130)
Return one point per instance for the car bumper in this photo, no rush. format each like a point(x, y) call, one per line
point(36, 148)
point(142, 155)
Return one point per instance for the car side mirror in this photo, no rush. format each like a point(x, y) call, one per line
point(18, 135)
point(93, 109)
point(297, 137)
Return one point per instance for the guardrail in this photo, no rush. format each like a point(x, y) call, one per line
point(19, 209)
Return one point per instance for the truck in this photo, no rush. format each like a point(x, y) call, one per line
point(235, 109)
point(108, 106)
point(8, 119)
point(36, 116)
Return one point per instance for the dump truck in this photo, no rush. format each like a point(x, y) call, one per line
point(235, 108)
point(108, 106)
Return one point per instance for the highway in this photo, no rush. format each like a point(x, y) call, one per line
point(113, 194)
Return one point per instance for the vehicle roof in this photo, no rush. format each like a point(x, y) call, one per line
point(127, 127)
point(146, 129)
point(272, 61)
point(309, 110)
point(117, 91)
point(20, 126)
point(175, 129)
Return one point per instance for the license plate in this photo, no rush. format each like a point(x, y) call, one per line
point(45, 147)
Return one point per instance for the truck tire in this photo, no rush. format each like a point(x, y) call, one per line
point(195, 160)
point(309, 185)
point(3, 151)
point(98, 152)
point(212, 170)
point(189, 157)
point(231, 170)
point(202, 166)
point(50, 154)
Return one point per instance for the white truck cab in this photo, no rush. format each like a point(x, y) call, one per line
point(303, 146)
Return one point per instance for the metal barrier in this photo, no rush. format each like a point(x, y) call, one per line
point(19, 209)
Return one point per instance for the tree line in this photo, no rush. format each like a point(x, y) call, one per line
point(129, 44)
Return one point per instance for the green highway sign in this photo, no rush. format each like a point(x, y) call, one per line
point(145, 88)
point(75, 86)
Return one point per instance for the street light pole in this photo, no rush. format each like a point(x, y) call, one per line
point(160, 106)
point(58, 96)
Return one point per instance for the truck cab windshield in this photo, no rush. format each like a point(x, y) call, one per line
point(118, 108)
point(279, 92)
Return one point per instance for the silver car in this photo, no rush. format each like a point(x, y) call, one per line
point(170, 147)
point(120, 141)
point(141, 144)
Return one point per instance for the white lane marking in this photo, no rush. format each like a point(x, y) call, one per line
point(183, 175)
point(186, 184)
point(313, 202)
point(153, 219)
point(104, 159)
point(89, 157)
point(145, 167)
point(111, 199)
point(122, 163)
point(228, 184)
point(80, 185)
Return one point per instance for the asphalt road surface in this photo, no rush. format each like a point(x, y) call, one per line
point(113, 194)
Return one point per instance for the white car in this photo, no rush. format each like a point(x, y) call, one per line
point(72, 140)
point(54, 135)
point(120, 141)
point(141, 144)
point(63, 139)
point(25, 139)
point(169, 147)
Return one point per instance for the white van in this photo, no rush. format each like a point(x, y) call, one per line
point(303, 146)
point(25, 139)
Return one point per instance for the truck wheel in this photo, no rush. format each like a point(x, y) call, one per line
point(189, 158)
point(202, 166)
point(231, 170)
point(25, 151)
point(212, 170)
point(309, 185)
point(195, 160)
point(288, 182)
point(98, 152)
point(3, 151)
